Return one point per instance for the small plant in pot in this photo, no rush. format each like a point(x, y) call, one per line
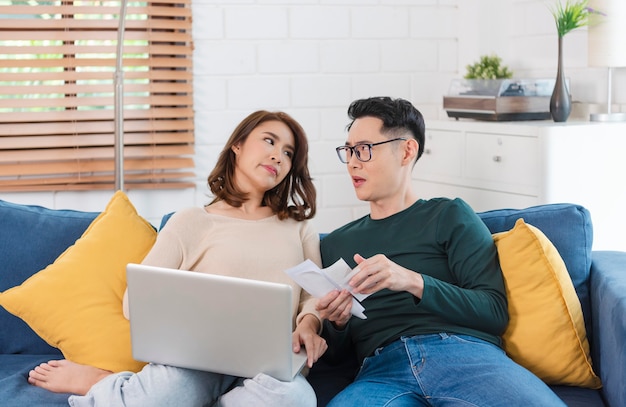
point(484, 74)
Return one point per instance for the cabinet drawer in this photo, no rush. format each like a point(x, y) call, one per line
point(503, 162)
point(443, 154)
point(479, 199)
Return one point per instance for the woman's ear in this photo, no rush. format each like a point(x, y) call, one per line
point(235, 148)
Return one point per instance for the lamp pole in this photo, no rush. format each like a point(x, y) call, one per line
point(609, 116)
point(118, 146)
point(606, 35)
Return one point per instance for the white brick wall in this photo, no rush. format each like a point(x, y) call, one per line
point(311, 58)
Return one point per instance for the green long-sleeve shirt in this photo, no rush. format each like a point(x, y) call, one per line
point(449, 245)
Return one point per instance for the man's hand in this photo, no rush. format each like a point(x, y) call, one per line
point(378, 272)
point(335, 307)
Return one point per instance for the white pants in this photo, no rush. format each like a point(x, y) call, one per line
point(163, 386)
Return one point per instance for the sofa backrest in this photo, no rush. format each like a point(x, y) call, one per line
point(31, 238)
point(569, 228)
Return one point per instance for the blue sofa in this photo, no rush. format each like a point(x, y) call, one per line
point(31, 237)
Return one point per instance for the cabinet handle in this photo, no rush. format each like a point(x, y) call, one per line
point(497, 158)
point(427, 151)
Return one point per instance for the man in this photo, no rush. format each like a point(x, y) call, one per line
point(438, 305)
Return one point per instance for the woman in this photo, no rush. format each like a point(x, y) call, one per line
point(255, 227)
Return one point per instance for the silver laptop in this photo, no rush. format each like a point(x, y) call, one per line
point(214, 323)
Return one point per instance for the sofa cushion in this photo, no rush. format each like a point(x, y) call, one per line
point(569, 228)
point(579, 396)
point(165, 219)
point(15, 391)
point(75, 304)
point(32, 237)
point(544, 310)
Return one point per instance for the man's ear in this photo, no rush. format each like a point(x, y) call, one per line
point(411, 148)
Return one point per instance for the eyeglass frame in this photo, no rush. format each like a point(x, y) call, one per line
point(341, 150)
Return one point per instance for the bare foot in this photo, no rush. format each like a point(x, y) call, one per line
point(63, 376)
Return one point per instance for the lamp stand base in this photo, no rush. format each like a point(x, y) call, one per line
point(608, 117)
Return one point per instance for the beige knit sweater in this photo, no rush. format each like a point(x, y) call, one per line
point(257, 249)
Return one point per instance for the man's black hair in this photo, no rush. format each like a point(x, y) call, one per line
point(398, 117)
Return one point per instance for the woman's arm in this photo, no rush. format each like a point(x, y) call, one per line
point(311, 250)
point(308, 321)
point(166, 252)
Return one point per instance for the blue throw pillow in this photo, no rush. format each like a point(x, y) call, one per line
point(31, 238)
point(569, 228)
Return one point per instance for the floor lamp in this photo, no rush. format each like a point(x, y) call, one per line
point(118, 147)
point(607, 46)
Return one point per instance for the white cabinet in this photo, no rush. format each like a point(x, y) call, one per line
point(519, 164)
point(503, 162)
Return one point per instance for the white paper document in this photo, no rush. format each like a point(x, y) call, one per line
point(319, 282)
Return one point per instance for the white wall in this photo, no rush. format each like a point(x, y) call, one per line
point(311, 58)
point(523, 33)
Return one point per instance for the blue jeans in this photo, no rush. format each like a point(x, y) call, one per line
point(444, 370)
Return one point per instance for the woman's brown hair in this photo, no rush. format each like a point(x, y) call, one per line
point(294, 197)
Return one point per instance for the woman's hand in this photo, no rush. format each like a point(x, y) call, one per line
point(379, 272)
point(306, 335)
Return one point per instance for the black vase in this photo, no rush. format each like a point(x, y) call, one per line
point(560, 102)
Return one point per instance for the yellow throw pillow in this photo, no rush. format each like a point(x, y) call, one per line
point(546, 332)
point(75, 304)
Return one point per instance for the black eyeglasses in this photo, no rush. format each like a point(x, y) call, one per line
point(363, 151)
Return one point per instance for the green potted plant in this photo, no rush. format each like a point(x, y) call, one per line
point(485, 75)
point(488, 67)
point(568, 17)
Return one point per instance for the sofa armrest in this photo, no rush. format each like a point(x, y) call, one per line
point(608, 310)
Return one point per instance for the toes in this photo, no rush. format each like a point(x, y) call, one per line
point(55, 363)
point(44, 367)
point(34, 378)
point(34, 375)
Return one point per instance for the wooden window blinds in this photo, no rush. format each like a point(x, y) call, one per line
point(57, 125)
